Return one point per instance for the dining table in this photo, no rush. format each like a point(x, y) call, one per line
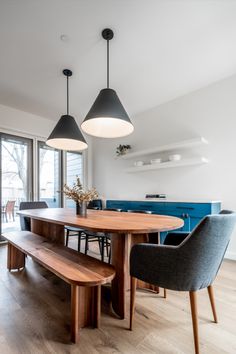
point(124, 229)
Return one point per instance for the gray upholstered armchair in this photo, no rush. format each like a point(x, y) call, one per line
point(191, 266)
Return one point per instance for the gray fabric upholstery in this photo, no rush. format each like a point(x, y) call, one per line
point(25, 221)
point(193, 264)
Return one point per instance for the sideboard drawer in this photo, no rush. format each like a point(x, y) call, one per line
point(192, 209)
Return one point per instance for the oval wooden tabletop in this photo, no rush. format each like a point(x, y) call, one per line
point(107, 221)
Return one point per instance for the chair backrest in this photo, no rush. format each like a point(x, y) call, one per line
point(201, 253)
point(10, 206)
point(140, 211)
point(24, 220)
point(96, 203)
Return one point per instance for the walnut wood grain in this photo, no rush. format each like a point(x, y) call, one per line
point(120, 261)
point(15, 258)
point(106, 221)
point(75, 319)
point(73, 267)
point(54, 232)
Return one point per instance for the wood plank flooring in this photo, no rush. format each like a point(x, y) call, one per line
point(35, 317)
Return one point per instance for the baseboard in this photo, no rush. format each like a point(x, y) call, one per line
point(231, 255)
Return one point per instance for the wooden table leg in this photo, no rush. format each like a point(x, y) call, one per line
point(54, 232)
point(120, 260)
point(120, 252)
point(15, 258)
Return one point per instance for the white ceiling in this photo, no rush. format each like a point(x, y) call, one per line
point(161, 50)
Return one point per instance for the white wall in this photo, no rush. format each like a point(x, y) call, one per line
point(23, 122)
point(209, 112)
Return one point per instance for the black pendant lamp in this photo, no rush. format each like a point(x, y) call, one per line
point(66, 135)
point(107, 117)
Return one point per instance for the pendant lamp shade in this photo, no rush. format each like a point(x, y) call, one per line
point(66, 135)
point(107, 117)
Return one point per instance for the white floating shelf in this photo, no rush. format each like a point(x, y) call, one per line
point(185, 144)
point(168, 164)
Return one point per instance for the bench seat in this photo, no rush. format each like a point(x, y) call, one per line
point(84, 273)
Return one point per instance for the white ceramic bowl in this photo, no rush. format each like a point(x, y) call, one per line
point(153, 161)
point(138, 163)
point(175, 157)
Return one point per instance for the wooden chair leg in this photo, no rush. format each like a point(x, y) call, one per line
point(212, 301)
point(193, 303)
point(165, 294)
point(67, 237)
point(133, 285)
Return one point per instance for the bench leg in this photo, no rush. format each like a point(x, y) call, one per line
point(15, 258)
point(85, 309)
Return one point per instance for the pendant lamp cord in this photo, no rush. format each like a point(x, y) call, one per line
point(67, 85)
point(108, 78)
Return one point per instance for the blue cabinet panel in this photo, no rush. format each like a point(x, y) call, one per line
point(191, 213)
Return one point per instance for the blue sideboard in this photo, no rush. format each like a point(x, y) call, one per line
point(190, 212)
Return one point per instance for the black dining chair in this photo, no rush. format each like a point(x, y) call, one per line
point(103, 239)
point(82, 234)
point(190, 266)
point(24, 220)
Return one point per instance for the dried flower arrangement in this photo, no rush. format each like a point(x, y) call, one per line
point(122, 149)
point(78, 194)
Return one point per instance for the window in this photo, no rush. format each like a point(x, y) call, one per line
point(16, 178)
point(53, 173)
point(49, 184)
point(74, 168)
point(24, 178)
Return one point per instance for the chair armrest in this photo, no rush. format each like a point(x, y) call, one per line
point(155, 264)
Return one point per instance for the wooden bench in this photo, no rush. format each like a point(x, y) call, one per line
point(84, 273)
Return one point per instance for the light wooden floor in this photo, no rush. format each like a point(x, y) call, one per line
point(35, 318)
